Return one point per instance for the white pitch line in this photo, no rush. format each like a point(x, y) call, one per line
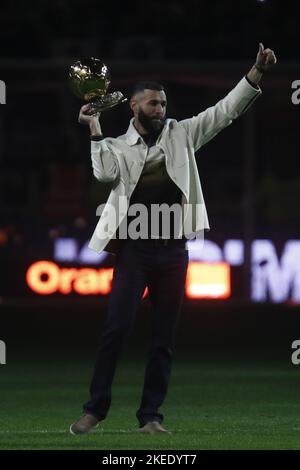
point(66, 431)
point(36, 431)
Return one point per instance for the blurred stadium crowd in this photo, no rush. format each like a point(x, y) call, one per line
point(198, 50)
point(169, 29)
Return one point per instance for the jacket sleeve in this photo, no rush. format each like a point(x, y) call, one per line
point(104, 162)
point(210, 122)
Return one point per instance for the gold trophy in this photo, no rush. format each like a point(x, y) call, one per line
point(89, 80)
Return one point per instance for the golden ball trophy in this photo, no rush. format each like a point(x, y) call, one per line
point(90, 80)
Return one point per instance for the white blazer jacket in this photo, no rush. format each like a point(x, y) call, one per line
point(121, 160)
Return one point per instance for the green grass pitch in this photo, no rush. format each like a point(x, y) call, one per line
point(211, 404)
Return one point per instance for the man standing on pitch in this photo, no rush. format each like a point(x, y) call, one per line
point(152, 164)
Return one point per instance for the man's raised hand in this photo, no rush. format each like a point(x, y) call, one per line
point(265, 58)
point(85, 118)
point(91, 120)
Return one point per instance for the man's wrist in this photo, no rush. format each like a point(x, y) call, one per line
point(254, 75)
point(259, 68)
point(95, 129)
point(254, 85)
point(96, 137)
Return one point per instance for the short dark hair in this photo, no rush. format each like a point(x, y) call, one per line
point(141, 86)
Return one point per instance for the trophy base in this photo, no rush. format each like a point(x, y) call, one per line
point(106, 102)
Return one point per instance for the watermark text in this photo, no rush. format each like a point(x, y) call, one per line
point(295, 358)
point(2, 352)
point(2, 92)
point(296, 94)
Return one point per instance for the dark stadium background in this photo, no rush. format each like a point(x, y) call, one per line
point(250, 173)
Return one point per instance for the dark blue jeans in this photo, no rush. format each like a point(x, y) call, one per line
point(141, 263)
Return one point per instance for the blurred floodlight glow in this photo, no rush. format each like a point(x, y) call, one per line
point(275, 276)
point(207, 251)
point(209, 281)
point(234, 252)
point(65, 249)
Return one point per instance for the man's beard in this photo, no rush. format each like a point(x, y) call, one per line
point(151, 125)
